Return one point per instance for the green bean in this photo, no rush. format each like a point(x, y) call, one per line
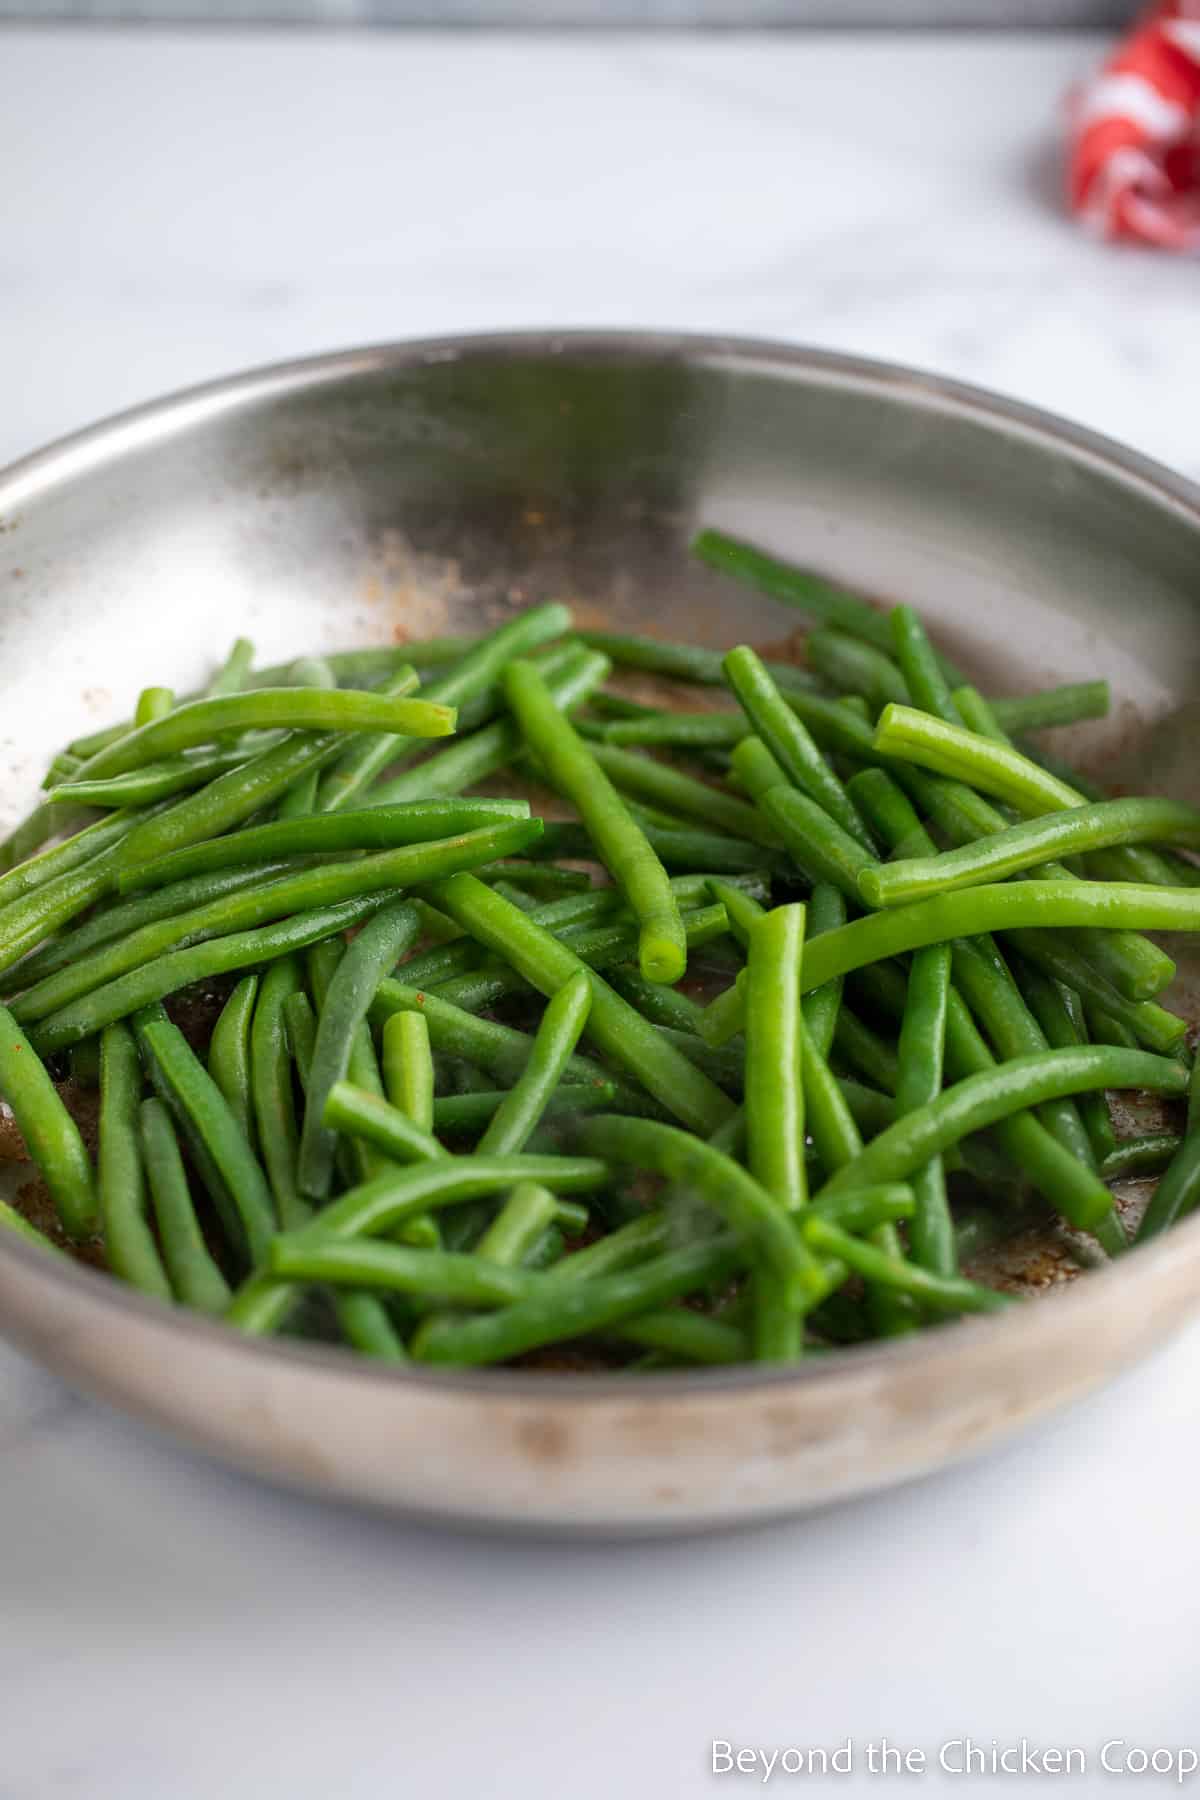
point(808, 593)
point(515, 1119)
point(1032, 842)
point(661, 1005)
point(550, 1313)
point(838, 1142)
point(685, 850)
point(239, 793)
point(756, 769)
point(1148, 1155)
point(129, 1245)
point(61, 768)
point(720, 1183)
point(1178, 1191)
point(51, 1135)
point(1065, 705)
point(983, 979)
point(497, 1050)
point(229, 1053)
point(226, 1163)
point(324, 885)
point(538, 878)
point(301, 797)
point(681, 662)
point(921, 1058)
point(375, 951)
point(999, 907)
point(1151, 1025)
point(369, 1116)
point(561, 1026)
point(373, 828)
point(861, 1048)
point(407, 1062)
point(981, 1100)
point(274, 1103)
point(920, 667)
point(62, 859)
point(528, 1211)
point(300, 1025)
point(195, 1277)
point(855, 668)
point(46, 820)
point(725, 1016)
point(290, 709)
point(166, 974)
point(157, 780)
point(742, 910)
point(116, 920)
point(677, 731)
point(826, 910)
point(379, 1206)
point(1059, 1013)
point(24, 922)
point(950, 1293)
point(1136, 967)
point(474, 1280)
point(654, 781)
point(817, 844)
point(620, 842)
point(599, 948)
point(367, 1327)
point(775, 1105)
point(994, 768)
point(19, 1226)
point(230, 678)
point(472, 759)
point(790, 743)
point(481, 666)
point(621, 1033)
point(466, 1115)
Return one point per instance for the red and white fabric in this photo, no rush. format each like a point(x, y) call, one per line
point(1134, 168)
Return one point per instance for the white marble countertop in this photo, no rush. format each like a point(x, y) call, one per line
point(176, 206)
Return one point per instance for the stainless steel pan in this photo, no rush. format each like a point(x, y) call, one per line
point(436, 486)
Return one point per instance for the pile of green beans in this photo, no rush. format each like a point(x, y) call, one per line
point(724, 1063)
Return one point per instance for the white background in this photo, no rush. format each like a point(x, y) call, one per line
point(173, 207)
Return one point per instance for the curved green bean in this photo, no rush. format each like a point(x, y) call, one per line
point(229, 1053)
point(1026, 845)
point(129, 1246)
point(270, 709)
point(375, 951)
point(999, 907)
point(225, 1160)
point(981, 1100)
point(50, 1133)
point(722, 1184)
point(195, 1277)
point(619, 840)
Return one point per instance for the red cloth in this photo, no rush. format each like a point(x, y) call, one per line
point(1135, 155)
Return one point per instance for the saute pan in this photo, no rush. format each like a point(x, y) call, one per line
point(368, 496)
